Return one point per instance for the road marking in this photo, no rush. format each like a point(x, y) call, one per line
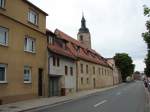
point(118, 93)
point(100, 103)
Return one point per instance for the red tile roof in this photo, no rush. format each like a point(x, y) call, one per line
point(80, 51)
point(58, 50)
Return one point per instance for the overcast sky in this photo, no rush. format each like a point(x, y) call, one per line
point(115, 25)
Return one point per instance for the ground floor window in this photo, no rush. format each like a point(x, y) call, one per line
point(2, 73)
point(27, 74)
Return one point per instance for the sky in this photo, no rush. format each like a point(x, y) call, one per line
point(115, 25)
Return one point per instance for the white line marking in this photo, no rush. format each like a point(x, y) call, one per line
point(119, 93)
point(100, 103)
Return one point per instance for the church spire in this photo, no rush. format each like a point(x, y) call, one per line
point(83, 21)
point(83, 25)
point(84, 35)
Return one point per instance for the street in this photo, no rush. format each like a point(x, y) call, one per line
point(129, 97)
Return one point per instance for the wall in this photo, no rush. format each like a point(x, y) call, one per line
point(12, 9)
point(67, 81)
point(101, 79)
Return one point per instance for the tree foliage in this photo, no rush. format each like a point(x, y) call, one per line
point(125, 64)
point(146, 38)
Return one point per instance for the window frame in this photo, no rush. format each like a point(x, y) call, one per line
point(81, 66)
point(87, 69)
point(51, 40)
point(54, 60)
point(28, 39)
point(82, 82)
point(36, 15)
point(2, 5)
point(30, 75)
point(6, 31)
point(5, 66)
point(66, 70)
point(71, 71)
point(94, 70)
point(58, 61)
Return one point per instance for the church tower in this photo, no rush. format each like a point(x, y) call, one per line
point(84, 35)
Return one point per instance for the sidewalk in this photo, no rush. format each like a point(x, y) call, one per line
point(35, 103)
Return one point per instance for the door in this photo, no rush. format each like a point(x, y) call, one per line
point(54, 86)
point(40, 82)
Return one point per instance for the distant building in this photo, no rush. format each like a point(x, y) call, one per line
point(61, 66)
point(23, 51)
point(137, 75)
point(116, 72)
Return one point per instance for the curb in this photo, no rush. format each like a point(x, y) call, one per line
point(46, 106)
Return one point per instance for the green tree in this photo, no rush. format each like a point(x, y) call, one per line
point(124, 62)
point(146, 37)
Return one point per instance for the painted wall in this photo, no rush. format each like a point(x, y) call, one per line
point(67, 81)
point(102, 79)
point(14, 56)
point(12, 9)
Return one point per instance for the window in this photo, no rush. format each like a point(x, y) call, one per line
point(81, 38)
point(82, 80)
point(27, 74)
point(29, 44)
point(2, 3)
point(54, 60)
point(87, 80)
point(93, 70)
point(3, 36)
point(33, 17)
point(87, 69)
point(66, 70)
point(58, 62)
point(81, 68)
point(71, 70)
point(102, 71)
point(2, 73)
point(51, 40)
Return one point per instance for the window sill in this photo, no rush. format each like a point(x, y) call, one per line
point(3, 82)
point(1, 8)
point(29, 52)
point(27, 82)
point(36, 25)
point(4, 45)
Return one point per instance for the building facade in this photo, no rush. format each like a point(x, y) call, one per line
point(116, 72)
point(23, 49)
point(92, 69)
point(62, 67)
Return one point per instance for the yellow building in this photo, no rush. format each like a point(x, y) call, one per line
point(23, 51)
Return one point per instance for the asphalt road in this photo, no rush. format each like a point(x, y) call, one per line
point(129, 97)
